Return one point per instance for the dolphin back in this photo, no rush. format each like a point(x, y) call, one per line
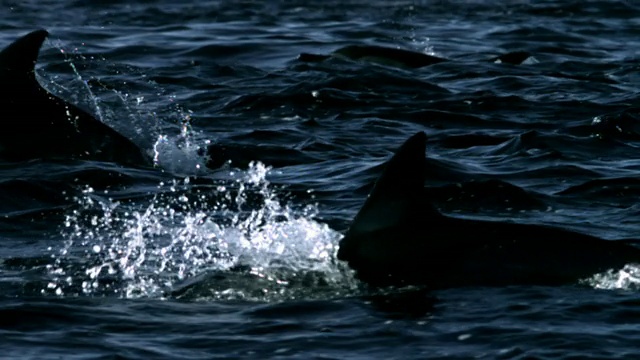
point(44, 126)
point(399, 238)
point(380, 232)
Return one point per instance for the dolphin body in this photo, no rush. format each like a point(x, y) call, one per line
point(398, 238)
point(400, 57)
point(38, 124)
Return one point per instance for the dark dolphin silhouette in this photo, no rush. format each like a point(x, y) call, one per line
point(38, 124)
point(399, 238)
point(400, 57)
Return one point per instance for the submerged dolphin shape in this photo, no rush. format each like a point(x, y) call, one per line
point(378, 54)
point(400, 57)
point(399, 238)
point(38, 124)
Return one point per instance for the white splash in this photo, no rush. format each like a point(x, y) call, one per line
point(627, 278)
point(143, 250)
point(180, 154)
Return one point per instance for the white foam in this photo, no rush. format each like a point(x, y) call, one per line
point(143, 249)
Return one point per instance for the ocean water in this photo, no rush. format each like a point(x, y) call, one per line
point(233, 256)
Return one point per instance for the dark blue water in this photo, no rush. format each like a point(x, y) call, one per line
point(101, 261)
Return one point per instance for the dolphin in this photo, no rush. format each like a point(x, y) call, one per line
point(40, 125)
point(400, 57)
point(399, 238)
point(378, 54)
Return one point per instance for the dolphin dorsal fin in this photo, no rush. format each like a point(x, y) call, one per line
point(19, 58)
point(398, 191)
